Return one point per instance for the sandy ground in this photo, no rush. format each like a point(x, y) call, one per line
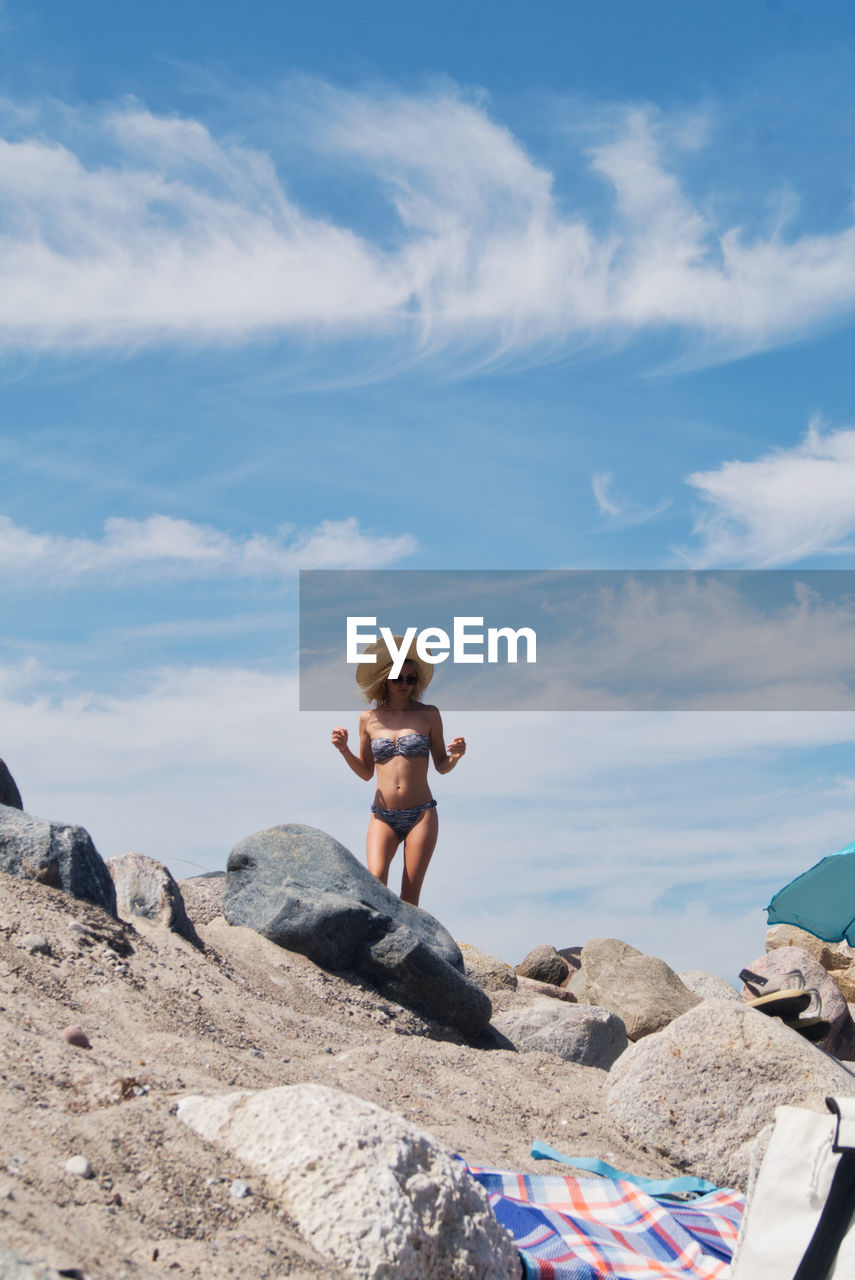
point(165, 1019)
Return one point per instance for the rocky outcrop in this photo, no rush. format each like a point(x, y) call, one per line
point(9, 793)
point(700, 1091)
point(366, 1188)
point(577, 1033)
point(544, 964)
point(145, 888)
point(55, 854)
point(642, 990)
point(306, 892)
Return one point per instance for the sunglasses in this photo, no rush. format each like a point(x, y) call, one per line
point(402, 680)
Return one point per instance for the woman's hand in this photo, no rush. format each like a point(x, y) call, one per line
point(457, 748)
point(339, 738)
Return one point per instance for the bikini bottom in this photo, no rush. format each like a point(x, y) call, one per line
point(402, 821)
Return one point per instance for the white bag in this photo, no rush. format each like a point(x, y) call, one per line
point(798, 1220)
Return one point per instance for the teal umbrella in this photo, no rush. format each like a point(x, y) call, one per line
point(821, 900)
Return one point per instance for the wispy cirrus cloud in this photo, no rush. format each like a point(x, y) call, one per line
point(162, 546)
point(621, 512)
point(783, 507)
point(171, 233)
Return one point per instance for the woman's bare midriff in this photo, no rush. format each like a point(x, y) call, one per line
point(402, 783)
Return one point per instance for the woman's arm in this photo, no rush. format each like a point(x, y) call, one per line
point(444, 759)
point(363, 764)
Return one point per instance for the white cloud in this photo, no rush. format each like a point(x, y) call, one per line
point(601, 484)
point(621, 512)
point(163, 546)
point(780, 508)
point(178, 234)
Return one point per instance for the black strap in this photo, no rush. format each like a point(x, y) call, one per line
point(833, 1224)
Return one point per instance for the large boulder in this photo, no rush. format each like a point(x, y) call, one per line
point(642, 990)
point(306, 892)
point(577, 1033)
point(56, 854)
point(708, 986)
point(844, 980)
point(831, 955)
point(544, 964)
point(365, 1187)
point(203, 896)
point(491, 973)
point(531, 987)
point(701, 1090)
point(145, 888)
point(9, 793)
point(832, 1005)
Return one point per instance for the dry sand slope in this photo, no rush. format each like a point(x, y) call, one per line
point(165, 1019)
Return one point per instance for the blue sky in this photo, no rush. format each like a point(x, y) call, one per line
point(425, 287)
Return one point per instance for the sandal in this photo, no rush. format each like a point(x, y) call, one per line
point(812, 1028)
point(760, 985)
point(783, 1004)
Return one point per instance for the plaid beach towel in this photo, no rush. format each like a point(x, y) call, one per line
point(589, 1228)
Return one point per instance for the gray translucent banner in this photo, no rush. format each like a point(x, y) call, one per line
point(607, 640)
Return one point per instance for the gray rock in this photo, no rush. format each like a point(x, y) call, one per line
point(844, 980)
point(544, 964)
point(577, 1033)
point(304, 891)
point(203, 896)
point(240, 1189)
point(831, 955)
point(700, 1091)
point(33, 942)
point(491, 973)
point(78, 1167)
point(531, 987)
point(366, 1188)
point(642, 990)
point(577, 986)
point(76, 1036)
point(709, 986)
point(841, 1039)
point(145, 888)
point(14, 1267)
point(9, 793)
point(411, 972)
point(55, 854)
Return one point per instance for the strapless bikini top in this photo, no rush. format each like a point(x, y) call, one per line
point(406, 744)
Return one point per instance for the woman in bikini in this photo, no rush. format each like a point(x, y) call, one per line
point(397, 735)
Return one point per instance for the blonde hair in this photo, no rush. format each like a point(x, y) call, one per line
point(372, 677)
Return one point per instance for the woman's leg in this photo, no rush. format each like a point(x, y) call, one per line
point(418, 850)
point(381, 845)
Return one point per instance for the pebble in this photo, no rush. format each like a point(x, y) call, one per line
point(78, 1167)
point(240, 1189)
point(33, 942)
point(76, 1036)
